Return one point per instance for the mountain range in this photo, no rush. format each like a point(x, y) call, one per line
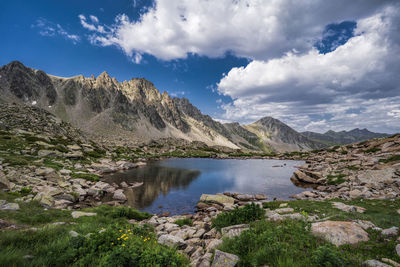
point(135, 111)
point(343, 137)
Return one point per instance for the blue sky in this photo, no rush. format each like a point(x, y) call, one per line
point(235, 60)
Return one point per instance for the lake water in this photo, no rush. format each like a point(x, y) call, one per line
point(175, 185)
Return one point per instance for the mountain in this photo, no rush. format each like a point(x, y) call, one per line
point(135, 111)
point(344, 137)
point(279, 136)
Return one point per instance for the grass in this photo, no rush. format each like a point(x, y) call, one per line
point(107, 245)
point(373, 150)
point(336, 179)
point(352, 168)
point(290, 242)
point(87, 176)
point(246, 214)
point(390, 159)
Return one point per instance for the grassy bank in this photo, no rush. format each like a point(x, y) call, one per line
point(103, 240)
point(290, 242)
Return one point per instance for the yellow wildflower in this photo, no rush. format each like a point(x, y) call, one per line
point(123, 245)
point(118, 238)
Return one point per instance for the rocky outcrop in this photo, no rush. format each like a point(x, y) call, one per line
point(370, 169)
point(340, 233)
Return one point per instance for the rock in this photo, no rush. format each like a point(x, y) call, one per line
point(49, 153)
point(348, 208)
point(391, 262)
point(73, 233)
point(283, 205)
point(124, 185)
point(44, 171)
point(213, 244)
point(65, 172)
point(284, 210)
point(169, 227)
point(355, 193)
point(224, 259)
point(339, 232)
point(4, 181)
point(272, 216)
point(244, 197)
point(375, 176)
point(374, 263)
point(299, 176)
point(171, 241)
point(398, 249)
point(199, 233)
point(221, 199)
point(78, 214)
point(392, 231)
point(367, 225)
point(260, 196)
point(234, 230)
point(119, 195)
point(9, 206)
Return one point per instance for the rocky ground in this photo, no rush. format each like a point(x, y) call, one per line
point(370, 169)
point(46, 161)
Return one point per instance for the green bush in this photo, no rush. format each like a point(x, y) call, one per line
point(390, 159)
point(336, 179)
point(327, 256)
point(123, 212)
point(249, 213)
point(184, 221)
point(86, 176)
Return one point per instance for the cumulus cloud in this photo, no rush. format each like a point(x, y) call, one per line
point(257, 29)
point(362, 74)
point(355, 83)
point(48, 28)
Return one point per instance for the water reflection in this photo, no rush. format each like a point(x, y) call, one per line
point(175, 185)
point(157, 180)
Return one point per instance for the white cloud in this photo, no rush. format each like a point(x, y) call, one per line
point(300, 88)
point(91, 27)
point(257, 29)
point(48, 28)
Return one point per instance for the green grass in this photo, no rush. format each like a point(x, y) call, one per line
point(352, 168)
point(246, 214)
point(336, 179)
point(51, 245)
point(184, 221)
point(290, 242)
point(87, 176)
point(390, 159)
point(373, 150)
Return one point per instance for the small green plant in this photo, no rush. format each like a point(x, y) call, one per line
point(353, 168)
point(336, 179)
point(123, 212)
point(87, 176)
point(390, 159)
point(248, 213)
point(344, 152)
point(327, 256)
point(184, 221)
point(373, 150)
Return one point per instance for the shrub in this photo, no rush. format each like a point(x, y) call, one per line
point(390, 159)
point(326, 256)
point(184, 221)
point(86, 176)
point(249, 213)
point(123, 212)
point(336, 179)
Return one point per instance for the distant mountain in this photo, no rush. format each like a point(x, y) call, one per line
point(344, 137)
point(136, 111)
point(279, 136)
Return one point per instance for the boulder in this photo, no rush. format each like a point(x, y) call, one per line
point(213, 244)
point(284, 210)
point(244, 197)
point(234, 230)
point(78, 214)
point(119, 195)
point(348, 208)
point(355, 193)
point(392, 231)
point(9, 206)
point(224, 259)
point(398, 249)
point(375, 263)
point(73, 233)
point(339, 232)
point(260, 196)
point(376, 176)
point(171, 241)
point(221, 199)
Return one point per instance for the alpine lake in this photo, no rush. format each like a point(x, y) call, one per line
point(175, 185)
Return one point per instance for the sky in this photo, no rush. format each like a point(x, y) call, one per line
point(314, 64)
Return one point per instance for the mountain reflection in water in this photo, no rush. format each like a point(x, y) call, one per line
point(175, 185)
point(156, 180)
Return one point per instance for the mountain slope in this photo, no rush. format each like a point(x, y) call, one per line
point(279, 136)
point(135, 111)
point(344, 137)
